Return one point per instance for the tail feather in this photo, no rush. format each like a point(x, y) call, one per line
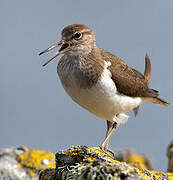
point(147, 76)
point(159, 101)
point(154, 93)
point(147, 72)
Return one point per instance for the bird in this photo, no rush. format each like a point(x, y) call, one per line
point(99, 81)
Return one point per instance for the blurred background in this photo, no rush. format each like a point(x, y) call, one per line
point(35, 110)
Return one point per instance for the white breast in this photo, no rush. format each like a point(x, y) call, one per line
point(102, 99)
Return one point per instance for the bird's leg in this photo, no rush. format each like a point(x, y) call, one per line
point(111, 128)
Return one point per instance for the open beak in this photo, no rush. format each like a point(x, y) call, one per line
point(60, 51)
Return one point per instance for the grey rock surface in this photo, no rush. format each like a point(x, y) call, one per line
point(23, 163)
point(9, 166)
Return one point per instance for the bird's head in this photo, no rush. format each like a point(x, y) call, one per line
point(76, 39)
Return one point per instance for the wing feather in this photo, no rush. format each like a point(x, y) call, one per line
point(128, 81)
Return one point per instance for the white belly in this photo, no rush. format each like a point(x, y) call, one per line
point(102, 99)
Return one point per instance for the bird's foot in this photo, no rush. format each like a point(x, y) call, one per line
point(107, 151)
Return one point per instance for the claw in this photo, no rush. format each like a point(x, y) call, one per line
point(107, 151)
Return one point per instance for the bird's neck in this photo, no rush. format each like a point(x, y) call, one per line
point(87, 58)
point(82, 50)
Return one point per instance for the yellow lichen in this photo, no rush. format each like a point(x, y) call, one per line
point(75, 151)
point(90, 159)
point(150, 174)
point(99, 152)
point(66, 153)
point(170, 175)
point(137, 161)
point(36, 160)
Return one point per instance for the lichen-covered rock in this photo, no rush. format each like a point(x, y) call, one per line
point(84, 163)
point(170, 157)
point(23, 163)
point(137, 160)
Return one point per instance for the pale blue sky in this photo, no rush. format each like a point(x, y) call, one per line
point(35, 110)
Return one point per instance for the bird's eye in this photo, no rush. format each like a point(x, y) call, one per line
point(77, 35)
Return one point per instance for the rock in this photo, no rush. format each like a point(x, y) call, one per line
point(137, 160)
point(170, 157)
point(84, 163)
point(23, 163)
point(81, 163)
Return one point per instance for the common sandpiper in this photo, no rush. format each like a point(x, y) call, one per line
point(99, 81)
